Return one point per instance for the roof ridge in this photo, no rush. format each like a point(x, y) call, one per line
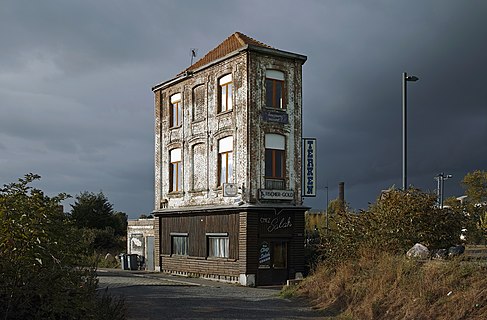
point(239, 38)
point(235, 41)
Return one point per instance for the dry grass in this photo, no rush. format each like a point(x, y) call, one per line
point(382, 286)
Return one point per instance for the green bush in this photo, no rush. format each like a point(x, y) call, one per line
point(397, 221)
point(41, 276)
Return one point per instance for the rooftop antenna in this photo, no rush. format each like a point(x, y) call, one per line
point(193, 53)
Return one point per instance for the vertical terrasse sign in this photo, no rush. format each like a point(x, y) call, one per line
point(309, 167)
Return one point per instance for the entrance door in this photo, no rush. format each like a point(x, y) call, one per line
point(149, 262)
point(273, 256)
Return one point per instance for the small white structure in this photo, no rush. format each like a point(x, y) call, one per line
point(140, 240)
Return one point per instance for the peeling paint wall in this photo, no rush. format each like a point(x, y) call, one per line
point(202, 127)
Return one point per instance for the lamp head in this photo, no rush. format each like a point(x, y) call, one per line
point(412, 78)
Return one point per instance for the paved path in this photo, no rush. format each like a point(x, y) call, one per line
point(159, 296)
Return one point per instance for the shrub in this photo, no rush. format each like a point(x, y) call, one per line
point(40, 258)
point(393, 224)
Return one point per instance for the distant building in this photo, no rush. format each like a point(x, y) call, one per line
point(140, 241)
point(228, 165)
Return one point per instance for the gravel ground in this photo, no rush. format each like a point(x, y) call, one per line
point(158, 296)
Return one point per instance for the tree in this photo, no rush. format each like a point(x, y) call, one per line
point(92, 210)
point(40, 277)
point(475, 184)
point(103, 228)
point(393, 224)
point(475, 205)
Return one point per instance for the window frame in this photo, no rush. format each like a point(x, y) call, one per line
point(177, 250)
point(273, 164)
point(216, 253)
point(275, 151)
point(228, 156)
point(224, 84)
point(175, 166)
point(275, 77)
point(175, 111)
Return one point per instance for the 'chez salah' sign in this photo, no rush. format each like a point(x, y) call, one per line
point(276, 224)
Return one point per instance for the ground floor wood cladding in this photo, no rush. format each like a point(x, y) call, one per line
point(252, 246)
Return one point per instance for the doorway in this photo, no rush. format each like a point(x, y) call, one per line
point(273, 261)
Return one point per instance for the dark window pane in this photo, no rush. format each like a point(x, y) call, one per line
point(278, 95)
point(268, 162)
point(279, 163)
point(269, 88)
point(280, 255)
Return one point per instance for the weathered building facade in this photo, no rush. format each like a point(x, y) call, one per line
point(228, 165)
point(140, 241)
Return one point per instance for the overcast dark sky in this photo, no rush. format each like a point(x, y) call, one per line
point(76, 104)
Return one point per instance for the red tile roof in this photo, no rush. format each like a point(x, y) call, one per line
point(234, 42)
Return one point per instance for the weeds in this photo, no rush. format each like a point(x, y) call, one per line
point(385, 286)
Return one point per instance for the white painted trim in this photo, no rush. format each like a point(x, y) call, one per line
point(175, 155)
point(274, 74)
point(225, 144)
point(225, 79)
point(176, 98)
point(275, 141)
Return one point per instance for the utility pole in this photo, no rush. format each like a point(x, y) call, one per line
point(440, 189)
point(405, 79)
point(327, 203)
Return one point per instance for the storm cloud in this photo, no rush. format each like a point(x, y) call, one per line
point(77, 108)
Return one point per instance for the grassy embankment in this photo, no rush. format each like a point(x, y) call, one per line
point(383, 286)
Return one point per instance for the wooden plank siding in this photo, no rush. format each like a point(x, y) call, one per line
point(296, 250)
point(197, 260)
point(157, 242)
point(245, 230)
point(252, 242)
point(226, 269)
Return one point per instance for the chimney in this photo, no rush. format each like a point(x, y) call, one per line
point(341, 195)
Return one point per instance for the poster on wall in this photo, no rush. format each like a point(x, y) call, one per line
point(309, 167)
point(264, 255)
point(137, 244)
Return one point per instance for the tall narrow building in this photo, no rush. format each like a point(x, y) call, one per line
point(228, 198)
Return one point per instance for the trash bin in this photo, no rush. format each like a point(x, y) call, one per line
point(132, 263)
point(141, 262)
point(123, 261)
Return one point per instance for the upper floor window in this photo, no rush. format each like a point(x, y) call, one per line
point(175, 171)
point(274, 89)
point(275, 151)
point(225, 93)
point(225, 160)
point(175, 111)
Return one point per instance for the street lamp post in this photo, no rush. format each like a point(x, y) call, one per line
point(440, 190)
point(326, 210)
point(405, 79)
